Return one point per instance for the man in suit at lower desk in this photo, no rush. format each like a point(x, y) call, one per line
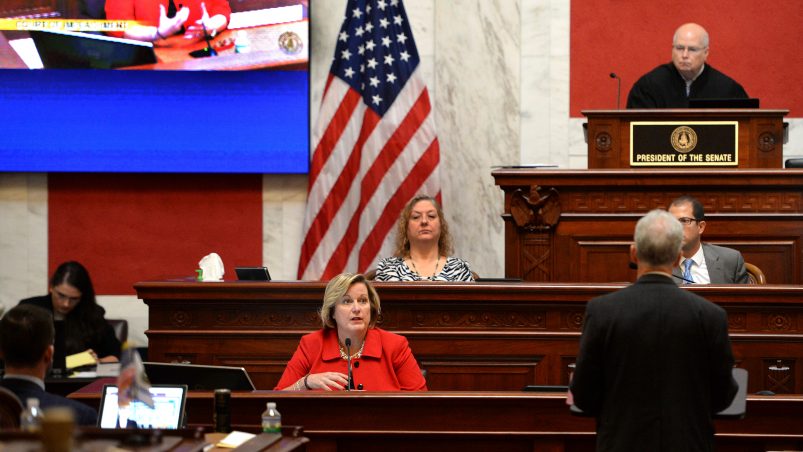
point(26, 345)
point(655, 360)
point(704, 263)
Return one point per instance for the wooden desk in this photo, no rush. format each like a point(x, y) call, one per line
point(467, 336)
point(173, 53)
point(469, 421)
point(185, 440)
point(575, 225)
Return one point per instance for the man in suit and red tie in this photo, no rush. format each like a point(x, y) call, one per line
point(704, 263)
point(655, 360)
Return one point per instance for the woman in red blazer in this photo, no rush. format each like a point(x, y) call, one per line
point(381, 360)
point(159, 22)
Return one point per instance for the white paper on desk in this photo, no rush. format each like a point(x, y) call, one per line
point(234, 439)
point(212, 266)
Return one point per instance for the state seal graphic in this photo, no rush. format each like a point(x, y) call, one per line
point(684, 139)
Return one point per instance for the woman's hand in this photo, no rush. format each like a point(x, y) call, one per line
point(169, 26)
point(213, 25)
point(328, 381)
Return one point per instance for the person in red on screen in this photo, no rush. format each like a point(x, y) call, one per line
point(381, 360)
point(161, 19)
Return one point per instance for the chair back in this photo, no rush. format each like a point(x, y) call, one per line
point(10, 409)
point(755, 274)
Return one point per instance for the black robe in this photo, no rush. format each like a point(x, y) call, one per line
point(664, 87)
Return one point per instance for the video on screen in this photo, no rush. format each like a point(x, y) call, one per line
point(155, 34)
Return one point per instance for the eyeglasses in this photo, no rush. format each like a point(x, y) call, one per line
point(681, 48)
point(685, 221)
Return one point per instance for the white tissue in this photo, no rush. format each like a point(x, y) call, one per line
point(212, 266)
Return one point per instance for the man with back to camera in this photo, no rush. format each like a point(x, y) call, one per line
point(655, 360)
point(687, 76)
point(26, 345)
point(707, 264)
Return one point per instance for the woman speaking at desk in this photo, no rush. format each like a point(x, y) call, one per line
point(72, 300)
point(423, 245)
point(161, 19)
point(381, 361)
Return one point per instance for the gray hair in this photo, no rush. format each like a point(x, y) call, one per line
point(703, 35)
point(658, 237)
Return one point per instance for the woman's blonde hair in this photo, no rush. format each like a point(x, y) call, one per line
point(403, 243)
point(336, 290)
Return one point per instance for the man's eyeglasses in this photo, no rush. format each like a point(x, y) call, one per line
point(685, 221)
point(680, 49)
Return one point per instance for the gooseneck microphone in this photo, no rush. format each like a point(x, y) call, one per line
point(633, 266)
point(350, 384)
point(618, 87)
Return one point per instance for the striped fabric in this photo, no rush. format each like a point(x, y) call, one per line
point(375, 143)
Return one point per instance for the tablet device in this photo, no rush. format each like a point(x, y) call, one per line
point(167, 413)
point(252, 273)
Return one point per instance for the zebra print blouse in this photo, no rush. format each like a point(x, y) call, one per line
point(394, 269)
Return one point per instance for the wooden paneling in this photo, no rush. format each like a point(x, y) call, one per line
point(480, 421)
point(467, 336)
point(758, 212)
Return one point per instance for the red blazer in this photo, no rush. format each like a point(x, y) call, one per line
point(386, 364)
point(147, 11)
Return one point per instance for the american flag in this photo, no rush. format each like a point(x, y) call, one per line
point(375, 143)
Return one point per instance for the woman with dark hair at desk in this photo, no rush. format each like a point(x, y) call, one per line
point(161, 19)
point(423, 247)
point(381, 360)
point(72, 301)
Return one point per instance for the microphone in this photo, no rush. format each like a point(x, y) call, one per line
point(348, 352)
point(633, 266)
point(618, 87)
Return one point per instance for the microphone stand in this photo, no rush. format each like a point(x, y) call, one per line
point(348, 353)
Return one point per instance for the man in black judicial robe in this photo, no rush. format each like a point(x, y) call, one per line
point(687, 76)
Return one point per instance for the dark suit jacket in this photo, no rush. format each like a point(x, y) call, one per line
point(725, 265)
point(24, 389)
point(654, 366)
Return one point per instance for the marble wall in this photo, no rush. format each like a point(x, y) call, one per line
point(498, 77)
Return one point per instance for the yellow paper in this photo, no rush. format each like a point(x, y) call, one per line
point(80, 359)
point(234, 439)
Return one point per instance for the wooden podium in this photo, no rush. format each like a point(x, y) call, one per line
point(760, 133)
point(577, 225)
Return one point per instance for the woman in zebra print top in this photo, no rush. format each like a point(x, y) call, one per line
point(423, 247)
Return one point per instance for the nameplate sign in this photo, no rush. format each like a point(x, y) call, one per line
point(681, 143)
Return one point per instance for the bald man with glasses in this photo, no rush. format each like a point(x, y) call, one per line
point(704, 263)
point(671, 85)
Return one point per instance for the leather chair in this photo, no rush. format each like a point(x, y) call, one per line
point(755, 274)
point(10, 409)
point(120, 327)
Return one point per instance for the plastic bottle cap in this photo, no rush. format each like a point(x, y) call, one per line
point(32, 402)
point(272, 405)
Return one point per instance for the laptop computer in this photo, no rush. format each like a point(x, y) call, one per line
point(59, 366)
point(199, 377)
point(723, 103)
point(75, 50)
point(167, 413)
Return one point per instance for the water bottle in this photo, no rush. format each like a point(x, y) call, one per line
point(242, 44)
point(31, 416)
point(271, 419)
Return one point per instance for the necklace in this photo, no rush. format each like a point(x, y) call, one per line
point(433, 273)
point(354, 356)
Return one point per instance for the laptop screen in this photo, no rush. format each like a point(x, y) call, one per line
point(168, 411)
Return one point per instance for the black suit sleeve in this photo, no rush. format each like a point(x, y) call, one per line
point(723, 386)
point(587, 382)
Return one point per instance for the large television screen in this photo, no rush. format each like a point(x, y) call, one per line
point(226, 91)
